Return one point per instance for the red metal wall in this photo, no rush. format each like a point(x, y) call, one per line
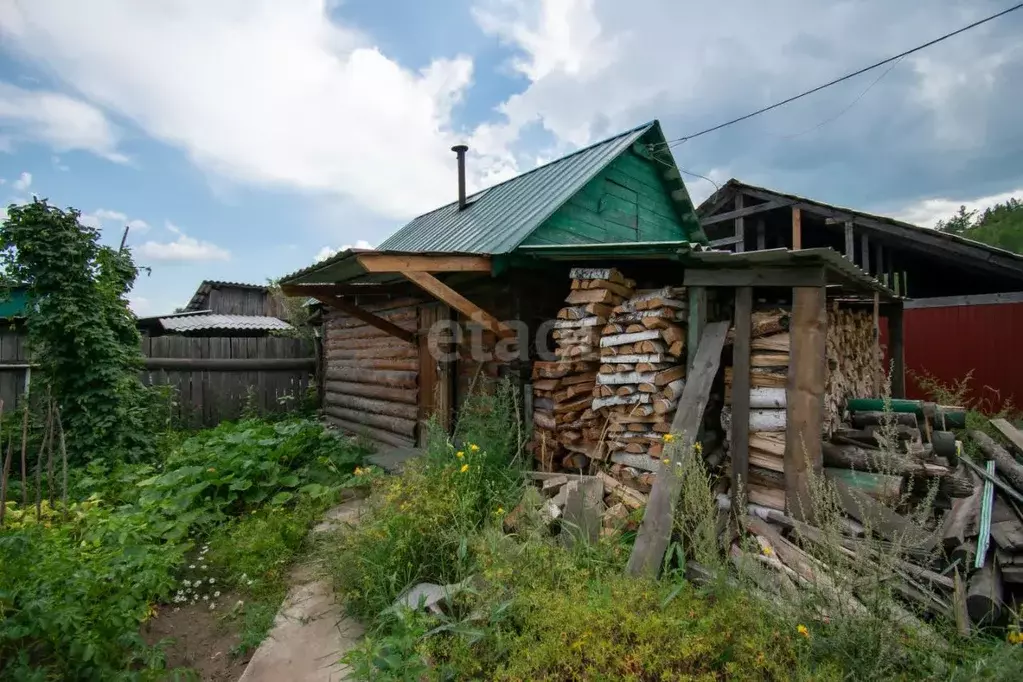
point(949, 341)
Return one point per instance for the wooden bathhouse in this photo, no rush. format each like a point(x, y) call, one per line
point(590, 283)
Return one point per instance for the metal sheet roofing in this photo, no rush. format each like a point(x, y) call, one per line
point(499, 218)
point(204, 322)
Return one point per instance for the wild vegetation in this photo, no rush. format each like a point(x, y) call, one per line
point(526, 607)
point(137, 518)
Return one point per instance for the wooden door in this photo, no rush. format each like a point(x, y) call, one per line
point(435, 373)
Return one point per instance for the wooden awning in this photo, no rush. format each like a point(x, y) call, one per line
point(359, 272)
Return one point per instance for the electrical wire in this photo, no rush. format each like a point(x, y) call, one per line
point(846, 77)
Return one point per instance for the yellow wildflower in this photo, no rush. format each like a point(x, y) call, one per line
point(459, 454)
point(802, 629)
point(767, 551)
point(697, 447)
point(500, 511)
point(465, 467)
point(211, 470)
point(1014, 637)
point(473, 447)
point(667, 438)
point(359, 471)
point(666, 460)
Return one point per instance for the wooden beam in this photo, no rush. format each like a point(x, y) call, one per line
point(740, 391)
point(761, 235)
point(896, 351)
point(369, 318)
point(1009, 432)
point(443, 292)
point(697, 321)
point(889, 273)
point(725, 241)
point(850, 242)
point(740, 226)
point(804, 398)
point(756, 277)
point(229, 364)
point(658, 519)
point(879, 262)
point(878, 370)
point(797, 229)
point(382, 262)
point(741, 212)
point(865, 253)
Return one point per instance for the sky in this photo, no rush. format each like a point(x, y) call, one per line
point(243, 139)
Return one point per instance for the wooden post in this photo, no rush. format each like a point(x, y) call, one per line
point(879, 263)
point(896, 350)
point(697, 321)
point(761, 235)
point(889, 276)
point(740, 392)
point(850, 242)
point(804, 397)
point(877, 345)
point(740, 226)
point(797, 229)
point(865, 253)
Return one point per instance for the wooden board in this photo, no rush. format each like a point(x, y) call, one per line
point(655, 531)
point(741, 389)
point(805, 408)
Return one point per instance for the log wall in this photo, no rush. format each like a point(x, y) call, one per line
point(371, 379)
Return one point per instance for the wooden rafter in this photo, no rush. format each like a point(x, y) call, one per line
point(383, 262)
point(369, 318)
point(743, 212)
point(446, 294)
point(331, 290)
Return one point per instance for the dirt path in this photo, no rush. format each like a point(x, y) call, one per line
point(311, 631)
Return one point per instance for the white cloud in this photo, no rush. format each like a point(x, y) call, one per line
point(927, 212)
point(59, 165)
point(327, 252)
point(140, 305)
point(103, 216)
point(269, 93)
point(138, 225)
point(182, 249)
point(62, 122)
point(23, 182)
point(107, 214)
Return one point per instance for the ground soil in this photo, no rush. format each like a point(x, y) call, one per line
point(200, 639)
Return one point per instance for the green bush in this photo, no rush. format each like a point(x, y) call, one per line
point(72, 596)
point(73, 593)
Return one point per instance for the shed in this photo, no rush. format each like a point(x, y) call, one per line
point(234, 298)
point(489, 258)
point(964, 313)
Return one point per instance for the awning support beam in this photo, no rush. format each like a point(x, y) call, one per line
point(383, 262)
point(349, 308)
point(446, 294)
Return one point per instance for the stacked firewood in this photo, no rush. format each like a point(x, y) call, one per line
point(566, 429)
point(642, 374)
point(769, 361)
point(854, 361)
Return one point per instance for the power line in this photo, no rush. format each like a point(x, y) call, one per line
point(843, 78)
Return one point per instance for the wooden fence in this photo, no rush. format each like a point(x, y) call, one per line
point(214, 379)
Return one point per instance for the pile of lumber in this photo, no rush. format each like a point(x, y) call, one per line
point(641, 377)
point(769, 367)
point(854, 361)
point(566, 429)
point(580, 505)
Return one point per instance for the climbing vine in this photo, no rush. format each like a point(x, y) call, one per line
point(81, 334)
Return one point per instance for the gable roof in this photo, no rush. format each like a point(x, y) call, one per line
point(200, 299)
point(499, 218)
point(913, 237)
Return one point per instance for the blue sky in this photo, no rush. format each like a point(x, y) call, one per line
point(241, 139)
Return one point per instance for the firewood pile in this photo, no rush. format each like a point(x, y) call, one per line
point(566, 429)
point(641, 377)
point(962, 561)
point(854, 361)
point(769, 368)
point(593, 506)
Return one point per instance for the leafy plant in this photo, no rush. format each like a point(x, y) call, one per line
point(80, 331)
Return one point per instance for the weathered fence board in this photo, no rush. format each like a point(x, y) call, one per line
point(213, 379)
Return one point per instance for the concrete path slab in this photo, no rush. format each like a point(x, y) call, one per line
point(311, 631)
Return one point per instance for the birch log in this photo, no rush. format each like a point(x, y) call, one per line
point(767, 420)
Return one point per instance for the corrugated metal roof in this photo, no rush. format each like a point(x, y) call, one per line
point(499, 218)
point(200, 322)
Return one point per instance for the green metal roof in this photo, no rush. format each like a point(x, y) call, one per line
point(499, 218)
point(12, 303)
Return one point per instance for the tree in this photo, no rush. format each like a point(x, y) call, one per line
point(81, 333)
point(1000, 225)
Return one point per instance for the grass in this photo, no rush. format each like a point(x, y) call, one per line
point(534, 610)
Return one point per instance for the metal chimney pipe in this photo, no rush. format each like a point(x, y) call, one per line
point(460, 150)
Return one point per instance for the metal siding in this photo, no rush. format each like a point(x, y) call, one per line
point(948, 342)
point(500, 217)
